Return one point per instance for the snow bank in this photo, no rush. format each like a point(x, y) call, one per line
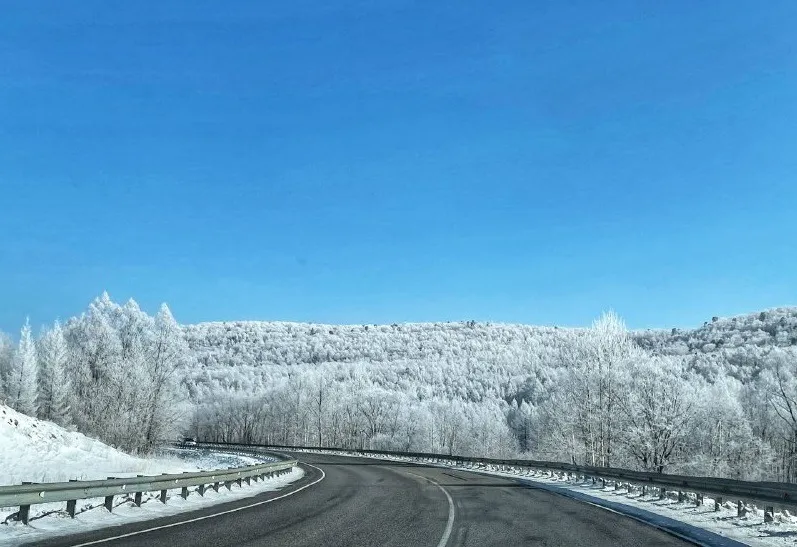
point(39, 451)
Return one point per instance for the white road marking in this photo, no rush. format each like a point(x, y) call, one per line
point(451, 512)
point(214, 515)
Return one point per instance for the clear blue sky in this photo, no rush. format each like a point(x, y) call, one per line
point(353, 161)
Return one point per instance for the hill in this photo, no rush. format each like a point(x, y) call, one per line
point(468, 360)
point(776, 327)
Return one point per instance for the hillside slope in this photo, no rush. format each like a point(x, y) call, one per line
point(467, 360)
point(39, 451)
point(768, 328)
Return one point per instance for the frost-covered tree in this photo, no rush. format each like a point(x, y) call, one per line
point(722, 440)
point(166, 354)
point(524, 420)
point(54, 384)
point(22, 378)
point(658, 409)
point(780, 376)
point(583, 409)
point(122, 364)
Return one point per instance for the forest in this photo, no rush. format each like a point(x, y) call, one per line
point(718, 400)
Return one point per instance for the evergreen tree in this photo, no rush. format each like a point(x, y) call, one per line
point(21, 384)
point(54, 384)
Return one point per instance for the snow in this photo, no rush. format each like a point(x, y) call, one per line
point(40, 451)
point(59, 524)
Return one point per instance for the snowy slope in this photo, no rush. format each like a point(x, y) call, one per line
point(39, 451)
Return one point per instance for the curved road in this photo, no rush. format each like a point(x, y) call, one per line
point(343, 501)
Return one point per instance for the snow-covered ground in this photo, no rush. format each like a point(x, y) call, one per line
point(59, 523)
point(39, 451)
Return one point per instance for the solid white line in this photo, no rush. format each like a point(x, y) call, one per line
point(206, 516)
point(450, 525)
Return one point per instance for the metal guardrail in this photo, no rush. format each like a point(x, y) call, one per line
point(770, 495)
point(29, 494)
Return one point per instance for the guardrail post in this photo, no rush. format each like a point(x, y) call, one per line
point(137, 496)
point(662, 493)
point(616, 485)
point(769, 514)
point(109, 499)
point(71, 505)
point(698, 500)
point(24, 513)
point(717, 503)
point(201, 490)
point(248, 481)
point(680, 497)
point(163, 493)
point(24, 510)
point(216, 486)
point(644, 489)
point(741, 509)
point(184, 493)
point(228, 484)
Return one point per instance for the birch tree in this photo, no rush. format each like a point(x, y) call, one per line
point(584, 405)
point(167, 353)
point(658, 406)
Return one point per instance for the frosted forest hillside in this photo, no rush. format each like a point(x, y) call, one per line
point(713, 400)
point(468, 360)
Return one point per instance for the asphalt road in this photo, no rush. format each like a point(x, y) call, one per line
point(364, 502)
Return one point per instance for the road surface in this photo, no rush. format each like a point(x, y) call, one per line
point(343, 502)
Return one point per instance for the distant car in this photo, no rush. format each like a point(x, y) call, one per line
point(189, 441)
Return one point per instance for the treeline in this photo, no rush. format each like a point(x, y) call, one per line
point(111, 373)
point(679, 401)
point(314, 411)
point(590, 396)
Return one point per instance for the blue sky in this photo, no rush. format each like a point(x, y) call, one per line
point(387, 161)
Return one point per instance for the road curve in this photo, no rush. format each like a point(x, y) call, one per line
point(364, 502)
